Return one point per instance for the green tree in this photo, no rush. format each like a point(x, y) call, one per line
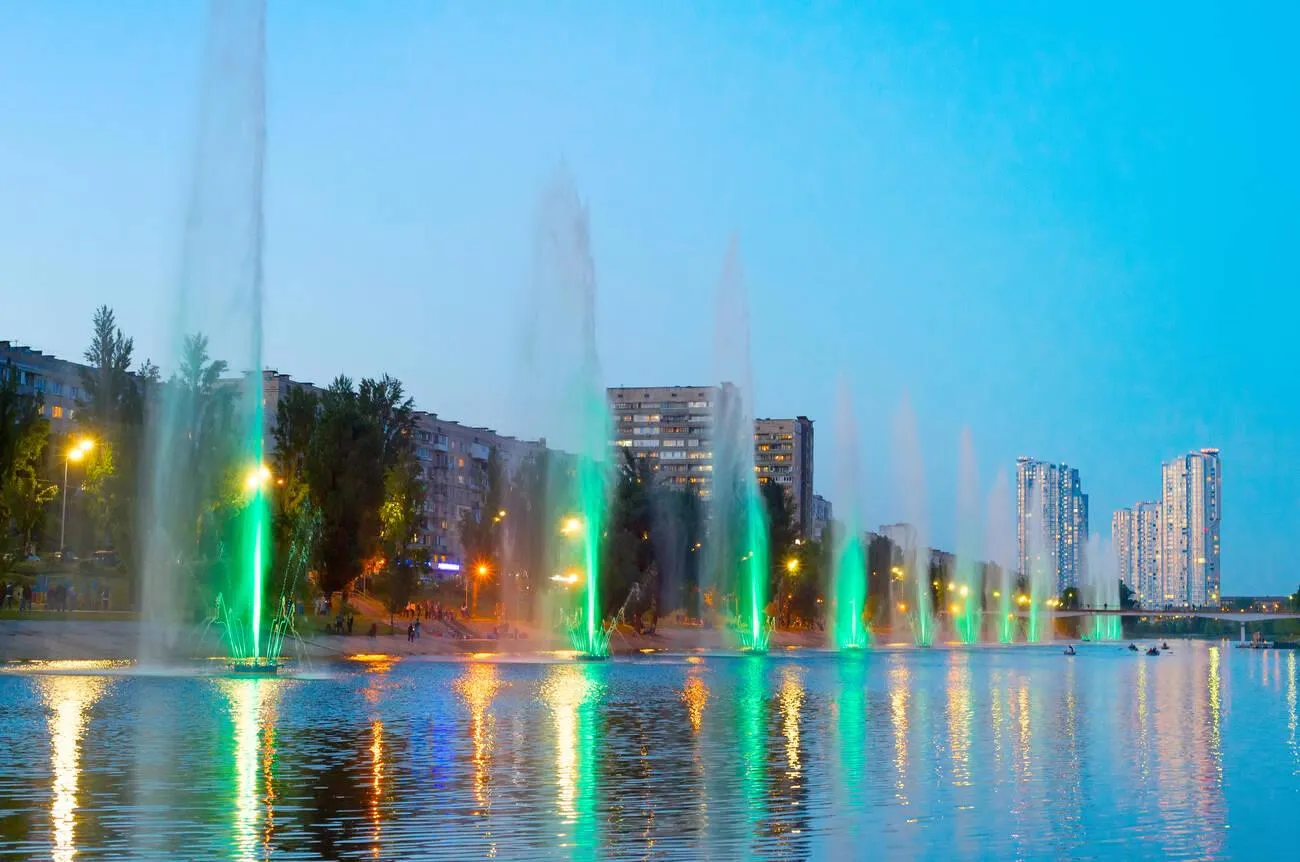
point(112, 413)
point(360, 435)
point(111, 391)
point(781, 531)
point(24, 433)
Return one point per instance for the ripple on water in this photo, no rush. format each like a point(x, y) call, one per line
point(909, 754)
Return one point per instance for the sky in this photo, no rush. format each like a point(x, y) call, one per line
point(1068, 228)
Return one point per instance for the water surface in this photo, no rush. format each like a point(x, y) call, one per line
point(1007, 752)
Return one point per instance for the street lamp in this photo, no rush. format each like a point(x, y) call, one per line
point(792, 565)
point(571, 525)
point(76, 453)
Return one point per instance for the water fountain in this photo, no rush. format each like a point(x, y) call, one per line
point(205, 430)
point(1001, 546)
point(918, 607)
point(969, 591)
point(568, 407)
point(1100, 589)
point(738, 552)
point(849, 576)
point(1040, 562)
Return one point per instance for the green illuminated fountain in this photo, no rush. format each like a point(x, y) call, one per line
point(968, 595)
point(738, 541)
point(564, 400)
point(918, 606)
point(849, 629)
point(205, 518)
point(1000, 542)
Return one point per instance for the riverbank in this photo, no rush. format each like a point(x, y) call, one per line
point(83, 637)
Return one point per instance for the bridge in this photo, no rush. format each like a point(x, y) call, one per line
point(1241, 617)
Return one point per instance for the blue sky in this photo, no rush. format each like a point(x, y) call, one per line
point(1065, 226)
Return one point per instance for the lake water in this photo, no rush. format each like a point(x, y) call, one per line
point(996, 752)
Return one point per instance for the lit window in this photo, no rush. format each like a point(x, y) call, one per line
point(56, 411)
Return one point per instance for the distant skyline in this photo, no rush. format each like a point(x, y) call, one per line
point(1066, 228)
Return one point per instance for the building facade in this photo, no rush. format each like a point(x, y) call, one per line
point(57, 381)
point(783, 455)
point(1051, 521)
point(822, 515)
point(673, 428)
point(454, 462)
point(1135, 538)
point(1191, 505)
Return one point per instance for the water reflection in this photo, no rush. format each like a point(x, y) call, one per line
point(572, 692)
point(695, 694)
point(68, 700)
point(1000, 754)
point(251, 703)
point(477, 688)
point(899, 677)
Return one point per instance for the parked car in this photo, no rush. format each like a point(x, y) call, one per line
point(107, 559)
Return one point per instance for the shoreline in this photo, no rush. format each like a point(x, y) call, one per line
point(81, 639)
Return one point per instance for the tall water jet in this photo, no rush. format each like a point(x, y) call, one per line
point(849, 576)
point(205, 514)
point(1001, 545)
point(567, 398)
point(738, 551)
point(969, 588)
point(1100, 589)
point(911, 479)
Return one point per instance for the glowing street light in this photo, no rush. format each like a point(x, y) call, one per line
point(571, 525)
point(792, 565)
point(76, 453)
point(965, 591)
point(902, 607)
point(257, 477)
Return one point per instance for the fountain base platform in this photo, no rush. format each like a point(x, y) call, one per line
point(254, 668)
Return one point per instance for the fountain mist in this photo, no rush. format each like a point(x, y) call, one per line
point(911, 480)
point(738, 529)
point(849, 577)
point(1001, 545)
point(969, 593)
point(568, 400)
point(1100, 589)
point(205, 437)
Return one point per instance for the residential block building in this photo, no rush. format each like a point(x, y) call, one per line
point(1051, 521)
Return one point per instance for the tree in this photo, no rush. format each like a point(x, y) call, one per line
point(1127, 599)
point(110, 389)
point(781, 531)
point(112, 413)
point(24, 433)
point(360, 435)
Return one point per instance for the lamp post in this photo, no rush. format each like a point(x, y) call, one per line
point(76, 453)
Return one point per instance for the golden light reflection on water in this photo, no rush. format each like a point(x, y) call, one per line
point(1024, 743)
point(695, 694)
point(565, 690)
point(791, 697)
point(1291, 711)
point(68, 700)
point(477, 688)
point(376, 785)
point(899, 681)
point(252, 713)
point(959, 717)
point(1213, 686)
point(1143, 723)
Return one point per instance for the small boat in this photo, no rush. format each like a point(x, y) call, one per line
point(1153, 651)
